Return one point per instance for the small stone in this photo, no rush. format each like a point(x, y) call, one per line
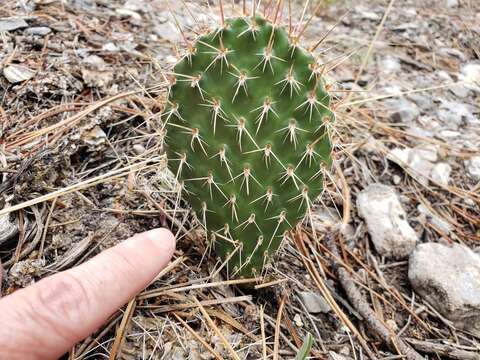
point(422, 101)
point(38, 30)
point(138, 149)
point(314, 303)
point(94, 137)
point(297, 319)
point(386, 221)
point(418, 161)
point(439, 223)
point(403, 111)
point(111, 47)
point(167, 32)
point(12, 23)
point(448, 277)
point(8, 229)
point(453, 114)
point(390, 65)
point(470, 74)
point(473, 167)
point(441, 173)
point(127, 13)
point(18, 73)
point(451, 3)
point(324, 218)
point(459, 91)
point(335, 356)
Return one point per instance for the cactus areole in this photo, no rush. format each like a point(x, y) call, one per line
point(247, 137)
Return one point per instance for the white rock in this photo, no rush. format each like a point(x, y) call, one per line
point(473, 167)
point(386, 221)
point(471, 75)
point(138, 149)
point(451, 3)
point(38, 30)
point(441, 173)
point(417, 161)
point(8, 229)
point(94, 137)
point(17, 73)
point(111, 47)
point(448, 277)
point(390, 65)
point(441, 224)
point(314, 303)
point(12, 23)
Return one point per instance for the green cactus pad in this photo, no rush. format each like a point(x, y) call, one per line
point(247, 138)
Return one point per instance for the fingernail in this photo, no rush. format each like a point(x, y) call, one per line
point(162, 238)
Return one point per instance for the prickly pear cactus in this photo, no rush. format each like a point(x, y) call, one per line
point(247, 139)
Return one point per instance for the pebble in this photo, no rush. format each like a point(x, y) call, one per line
point(448, 277)
point(314, 303)
point(418, 161)
point(12, 23)
point(94, 137)
point(404, 111)
point(422, 101)
point(453, 113)
point(473, 167)
point(8, 229)
point(470, 73)
point(17, 73)
point(138, 149)
point(441, 173)
point(451, 3)
point(38, 30)
point(390, 65)
point(386, 221)
point(460, 91)
point(441, 224)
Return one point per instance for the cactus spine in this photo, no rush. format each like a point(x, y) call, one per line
point(247, 137)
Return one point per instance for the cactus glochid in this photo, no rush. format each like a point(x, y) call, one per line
point(246, 137)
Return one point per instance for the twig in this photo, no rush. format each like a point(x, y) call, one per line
point(360, 304)
point(276, 342)
point(443, 350)
point(127, 315)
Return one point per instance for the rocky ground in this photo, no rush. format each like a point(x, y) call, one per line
point(390, 266)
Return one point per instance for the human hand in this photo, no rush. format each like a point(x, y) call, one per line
point(44, 320)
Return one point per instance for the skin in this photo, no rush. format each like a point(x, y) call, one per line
point(44, 320)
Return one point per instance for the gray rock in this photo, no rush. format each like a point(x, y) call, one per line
point(38, 30)
point(451, 3)
point(404, 111)
point(138, 149)
point(453, 113)
point(441, 224)
point(473, 167)
point(448, 277)
point(12, 23)
point(314, 303)
point(460, 91)
point(418, 161)
point(17, 73)
point(8, 229)
point(386, 221)
point(471, 76)
point(390, 65)
point(422, 101)
point(441, 173)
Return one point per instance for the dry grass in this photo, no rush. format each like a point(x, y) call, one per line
point(105, 192)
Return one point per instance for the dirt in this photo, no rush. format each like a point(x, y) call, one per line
point(82, 159)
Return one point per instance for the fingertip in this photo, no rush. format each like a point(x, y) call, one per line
point(163, 239)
